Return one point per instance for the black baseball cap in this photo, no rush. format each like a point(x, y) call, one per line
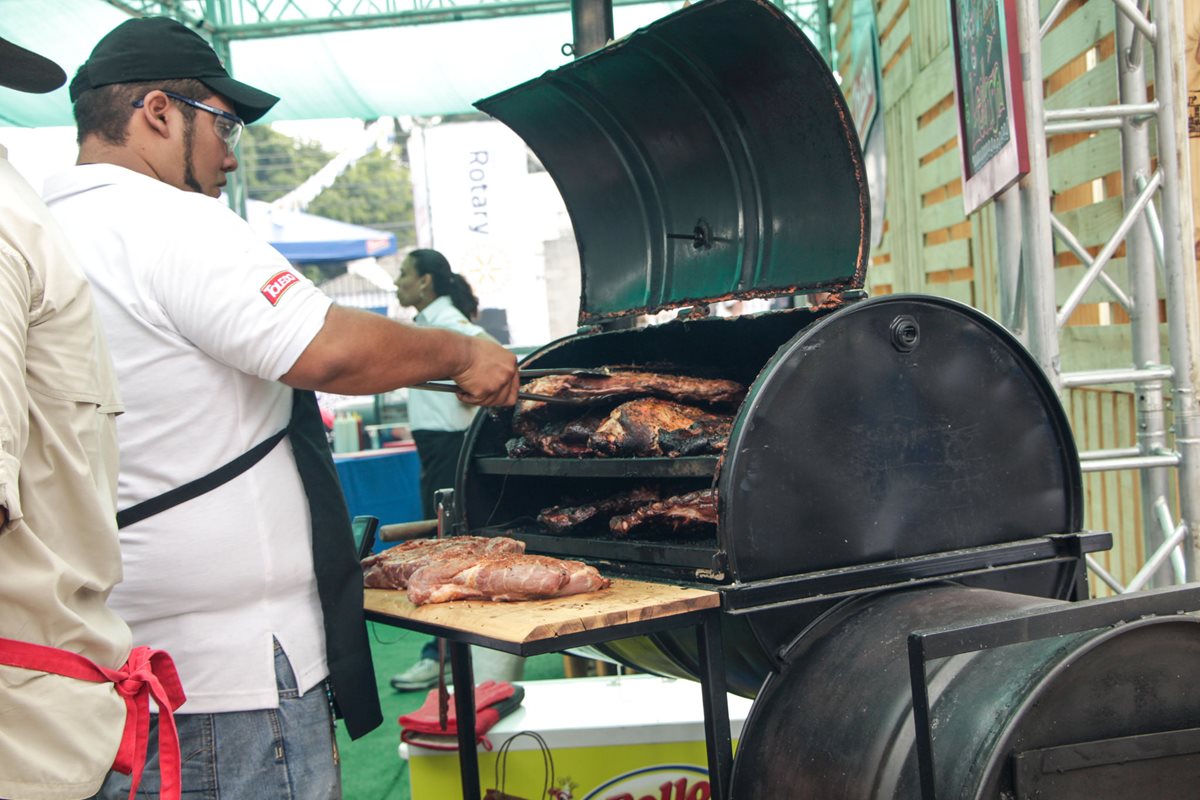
point(159, 48)
point(26, 71)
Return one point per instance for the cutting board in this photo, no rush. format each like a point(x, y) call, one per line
point(536, 620)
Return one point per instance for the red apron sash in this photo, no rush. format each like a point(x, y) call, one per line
point(148, 673)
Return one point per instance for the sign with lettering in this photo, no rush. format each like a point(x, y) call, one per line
point(661, 782)
point(990, 103)
point(474, 203)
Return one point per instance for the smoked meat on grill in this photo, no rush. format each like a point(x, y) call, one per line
point(392, 568)
point(622, 385)
point(647, 426)
point(504, 577)
point(572, 519)
point(653, 427)
point(674, 514)
point(561, 438)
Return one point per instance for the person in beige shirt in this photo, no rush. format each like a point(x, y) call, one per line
point(59, 558)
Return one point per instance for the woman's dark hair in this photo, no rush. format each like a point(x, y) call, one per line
point(446, 281)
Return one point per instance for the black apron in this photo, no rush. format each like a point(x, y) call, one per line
point(335, 561)
point(339, 574)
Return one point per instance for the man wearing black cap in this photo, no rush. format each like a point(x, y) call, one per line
point(61, 717)
point(238, 553)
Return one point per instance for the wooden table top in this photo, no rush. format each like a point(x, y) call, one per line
point(528, 621)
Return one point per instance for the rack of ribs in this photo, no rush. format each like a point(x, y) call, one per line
point(392, 568)
point(572, 519)
point(503, 578)
point(627, 384)
point(675, 514)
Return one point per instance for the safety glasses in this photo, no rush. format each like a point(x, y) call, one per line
point(228, 126)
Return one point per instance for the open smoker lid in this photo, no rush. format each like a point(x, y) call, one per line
point(707, 156)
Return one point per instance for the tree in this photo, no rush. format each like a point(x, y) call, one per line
point(275, 163)
point(375, 191)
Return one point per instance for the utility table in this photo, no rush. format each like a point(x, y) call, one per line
point(533, 627)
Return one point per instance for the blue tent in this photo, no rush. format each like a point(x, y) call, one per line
point(307, 238)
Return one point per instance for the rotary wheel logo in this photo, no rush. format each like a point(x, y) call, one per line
point(487, 270)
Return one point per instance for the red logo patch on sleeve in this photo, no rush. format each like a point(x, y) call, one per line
point(279, 283)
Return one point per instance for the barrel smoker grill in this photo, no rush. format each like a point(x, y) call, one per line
point(899, 464)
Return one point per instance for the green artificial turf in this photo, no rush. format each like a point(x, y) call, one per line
point(371, 766)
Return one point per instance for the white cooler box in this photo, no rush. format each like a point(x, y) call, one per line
point(635, 737)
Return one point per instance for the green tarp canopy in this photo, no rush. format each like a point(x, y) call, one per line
point(364, 73)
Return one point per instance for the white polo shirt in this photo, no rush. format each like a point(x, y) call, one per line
point(441, 411)
point(202, 318)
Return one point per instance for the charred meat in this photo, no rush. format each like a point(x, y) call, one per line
point(574, 519)
point(624, 385)
point(653, 427)
point(503, 578)
point(686, 513)
point(560, 439)
point(392, 568)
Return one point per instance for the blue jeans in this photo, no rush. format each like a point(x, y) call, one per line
point(285, 753)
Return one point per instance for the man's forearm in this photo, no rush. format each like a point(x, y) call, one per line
point(359, 352)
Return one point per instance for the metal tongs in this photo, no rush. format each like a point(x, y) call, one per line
point(527, 374)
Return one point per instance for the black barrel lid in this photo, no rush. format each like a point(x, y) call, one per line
point(707, 156)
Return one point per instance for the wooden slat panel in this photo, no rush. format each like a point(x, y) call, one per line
point(1066, 278)
point(1090, 159)
point(942, 170)
point(941, 129)
point(936, 81)
point(894, 39)
point(1076, 34)
point(962, 291)
point(903, 199)
point(1096, 87)
point(1099, 347)
point(941, 215)
point(886, 13)
point(931, 26)
point(1104, 419)
point(1095, 223)
point(899, 77)
point(951, 255)
point(984, 255)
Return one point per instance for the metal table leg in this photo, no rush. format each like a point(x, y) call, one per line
point(717, 740)
point(464, 712)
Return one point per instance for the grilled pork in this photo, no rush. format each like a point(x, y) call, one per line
point(504, 578)
point(681, 514)
point(560, 439)
point(572, 519)
point(626, 385)
point(653, 427)
point(392, 568)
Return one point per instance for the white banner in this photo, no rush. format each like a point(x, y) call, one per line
point(475, 204)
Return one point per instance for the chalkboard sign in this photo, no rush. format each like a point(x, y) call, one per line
point(991, 109)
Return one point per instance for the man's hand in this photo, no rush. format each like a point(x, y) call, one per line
point(490, 377)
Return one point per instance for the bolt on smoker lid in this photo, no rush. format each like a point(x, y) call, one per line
point(707, 156)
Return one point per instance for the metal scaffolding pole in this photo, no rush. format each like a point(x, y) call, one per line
point(1037, 251)
point(1143, 285)
point(1183, 309)
point(1148, 245)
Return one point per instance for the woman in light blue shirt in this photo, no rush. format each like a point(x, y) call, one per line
point(438, 420)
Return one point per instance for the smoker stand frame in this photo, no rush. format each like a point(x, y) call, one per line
point(1023, 626)
point(707, 625)
point(1059, 548)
